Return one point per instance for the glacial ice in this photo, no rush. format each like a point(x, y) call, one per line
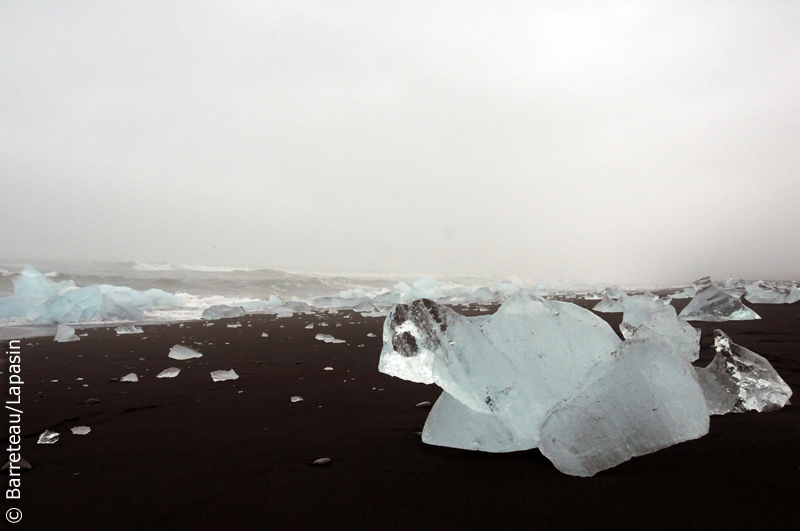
point(129, 329)
point(39, 299)
point(222, 312)
point(645, 317)
point(221, 376)
point(180, 352)
point(80, 430)
point(739, 380)
point(607, 304)
point(490, 363)
point(553, 375)
point(48, 437)
point(712, 304)
point(129, 378)
point(65, 333)
point(327, 338)
point(172, 372)
point(763, 293)
point(649, 400)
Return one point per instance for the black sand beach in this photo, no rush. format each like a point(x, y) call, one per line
point(188, 453)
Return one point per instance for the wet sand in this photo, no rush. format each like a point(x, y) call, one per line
point(188, 453)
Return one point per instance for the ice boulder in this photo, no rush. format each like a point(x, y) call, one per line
point(222, 312)
point(649, 400)
point(516, 364)
point(763, 293)
point(712, 304)
point(739, 380)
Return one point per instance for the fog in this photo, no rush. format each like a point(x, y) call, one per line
point(633, 142)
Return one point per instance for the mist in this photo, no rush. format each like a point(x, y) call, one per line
point(630, 142)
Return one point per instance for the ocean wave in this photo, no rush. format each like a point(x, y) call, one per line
point(143, 266)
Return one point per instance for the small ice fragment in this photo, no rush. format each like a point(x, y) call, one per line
point(327, 338)
point(297, 399)
point(371, 335)
point(310, 326)
point(323, 461)
point(48, 437)
point(129, 378)
point(65, 333)
point(424, 404)
point(234, 325)
point(361, 345)
point(264, 334)
point(180, 352)
point(221, 376)
point(172, 372)
point(81, 430)
point(21, 464)
point(328, 368)
point(739, 380)
point(129, 329)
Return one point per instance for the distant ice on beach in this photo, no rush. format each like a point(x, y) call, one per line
point(126, 292)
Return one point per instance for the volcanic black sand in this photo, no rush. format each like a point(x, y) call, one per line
point(188, 453)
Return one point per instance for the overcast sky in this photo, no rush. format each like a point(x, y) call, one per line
point(633, 142)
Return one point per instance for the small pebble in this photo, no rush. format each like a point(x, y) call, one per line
point(92, 401)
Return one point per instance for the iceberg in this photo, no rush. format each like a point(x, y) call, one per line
point(739, 380)
point(65, 333)
point(180, 352)
point(222, 312)
point(517, 363)
point(649, 400)
point(712, 304)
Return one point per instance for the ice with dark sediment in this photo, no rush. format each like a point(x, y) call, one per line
point(772, 293)
point(517, 363)
point(222, 311)
point(739, 380)
point(65, 333)
point(648, 317)
point(712, 304)
point(648, 401)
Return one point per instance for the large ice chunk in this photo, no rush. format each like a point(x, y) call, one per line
point(712, 304)
point(654, 319)
point(739, 380)
point(649, 400)
point(517, 363)
point(763, 293)
point(609, 304)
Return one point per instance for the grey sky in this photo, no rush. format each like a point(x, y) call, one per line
point(637, 142)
